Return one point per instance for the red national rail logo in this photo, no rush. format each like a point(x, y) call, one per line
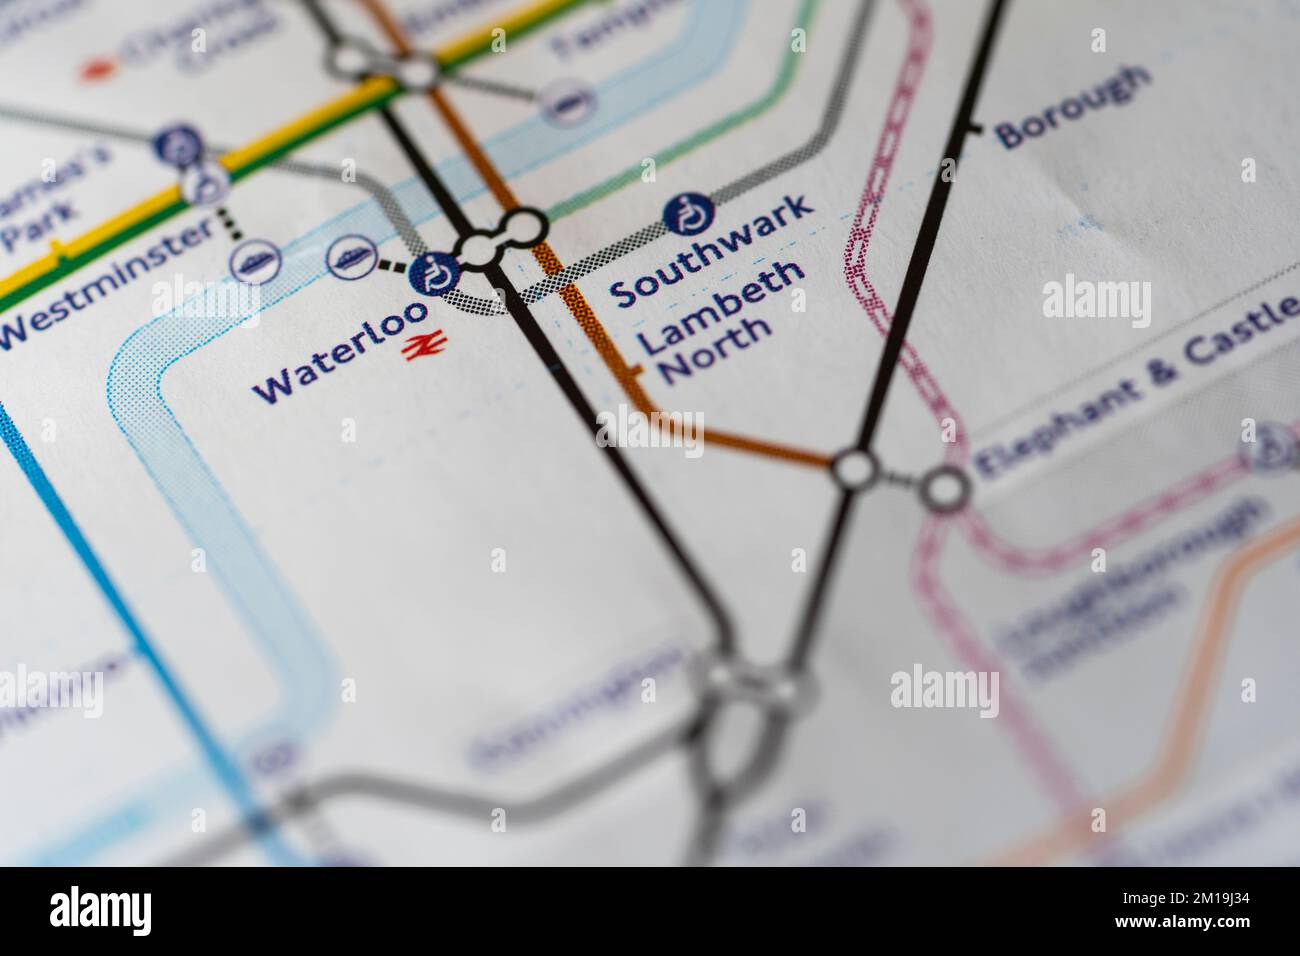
point(96, 69)
point(420, 345)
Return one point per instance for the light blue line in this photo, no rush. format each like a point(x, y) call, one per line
point(700, 50)
point(225, 770)
point(134, 387)
point(268, 609)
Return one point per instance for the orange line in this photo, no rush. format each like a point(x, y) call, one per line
point(478, 159)
point(396, 35)
point(579, 308)
point(1187, 723)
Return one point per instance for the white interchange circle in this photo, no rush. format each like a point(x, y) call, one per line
point(524, 227)
point(351, 59)
point(478, 251)
point(521, 228)
point(945, 489)
point(855, 469)
point(417, 73)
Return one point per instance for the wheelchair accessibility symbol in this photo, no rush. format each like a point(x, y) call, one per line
point(688, 214)
point(434, 273)
point(178, 146)
point(205, 183)
point(1274, 449)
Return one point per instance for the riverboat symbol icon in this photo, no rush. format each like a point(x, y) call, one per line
point(255, 262)
point(351, 257)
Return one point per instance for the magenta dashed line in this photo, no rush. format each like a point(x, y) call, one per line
point(937, 604)
point(864, 222)
point(1035, 748)
point(1005, 554)
point(1057, 779)
point(1049, 560)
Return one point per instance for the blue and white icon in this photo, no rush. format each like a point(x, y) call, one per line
point(352, 257)
point(178, 146)
point(689, 214)
point(567, 103)
point(205, 183)
point(434, 273)
point(255, 262)
point(1273, 450)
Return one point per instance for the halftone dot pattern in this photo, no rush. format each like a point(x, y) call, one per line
point(392, 209)
point(540, 290)
point(253, 584)
point(831, 116)
point(136, 401)
point(700, 49)
point(388, 202)
point(474, 305)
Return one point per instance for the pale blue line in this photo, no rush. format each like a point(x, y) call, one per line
point(703, 46)
point(248, 576)
point(223, 767)
point(135, 396)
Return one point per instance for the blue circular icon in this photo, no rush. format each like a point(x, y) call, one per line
point(352, 257)
point(434, 273)
point(204, 183)
point(567, 103)
point(688, 214)
point(276, 757)
point(178, 146)
point(1273, 450)
point(255, 262)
